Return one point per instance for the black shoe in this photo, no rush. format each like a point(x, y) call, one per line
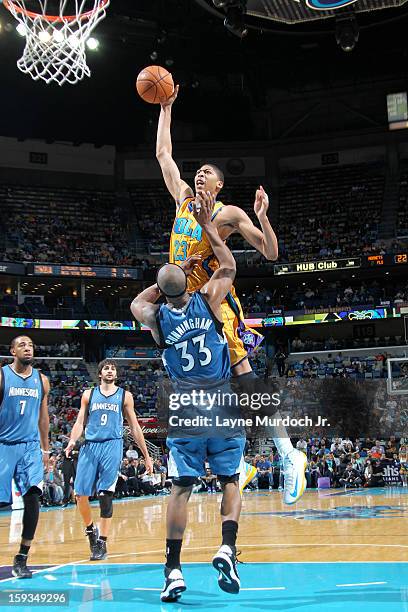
point(20, 569)
point(92, 536)
point(174, 585)
point(99, 552)
point(225, 562)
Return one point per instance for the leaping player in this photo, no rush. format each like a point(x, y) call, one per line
point(187, 240)
point(190, 330)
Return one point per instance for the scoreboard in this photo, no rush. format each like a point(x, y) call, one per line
point(84, 271)
point(387, 260)
point(397, 109)
point(331, 265)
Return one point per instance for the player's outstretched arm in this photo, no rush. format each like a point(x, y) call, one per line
point(44, 420)
point(78, 428)
point(136, 430)
point(178, 188)
point(221, 281)
point(144, 309)
point(264, 241)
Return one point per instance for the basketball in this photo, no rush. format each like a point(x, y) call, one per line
point(154, 84)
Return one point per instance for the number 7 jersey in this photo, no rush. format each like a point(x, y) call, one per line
point(195, 348)
point(20, 401)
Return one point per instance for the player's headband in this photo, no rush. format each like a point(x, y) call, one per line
point(176, 295)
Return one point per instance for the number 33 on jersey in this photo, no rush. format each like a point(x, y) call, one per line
point(194, 345)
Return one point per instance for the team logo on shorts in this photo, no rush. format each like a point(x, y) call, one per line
point(248, 338)
point(328, 5)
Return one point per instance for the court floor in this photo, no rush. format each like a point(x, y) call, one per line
point(334, 550)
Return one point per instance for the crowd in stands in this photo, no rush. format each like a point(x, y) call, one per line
point(324, 212)
point(307, 344)
point(337, 462)
point(323, 295)
point(155, 209)
point(339, 366)
point(330, 211)
point(309, 297)
point(331, 463)
point(59, 349)
point(59, 225)
point(402, 213)
point(133, 481)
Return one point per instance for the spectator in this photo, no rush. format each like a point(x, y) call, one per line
point(350, 477)
point(209, 481)
point(264, 469)
point(132, 453)
point(53, 483)
point(280, 358)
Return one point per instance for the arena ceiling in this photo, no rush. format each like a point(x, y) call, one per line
point(299, 11)
point(223, 78)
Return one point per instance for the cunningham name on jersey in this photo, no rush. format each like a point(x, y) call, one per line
point(186, 326)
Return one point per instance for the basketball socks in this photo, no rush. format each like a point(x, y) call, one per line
point(90, 529)
point(284, 446)
point(229, 533)
point(173, 549)
point(24, 550)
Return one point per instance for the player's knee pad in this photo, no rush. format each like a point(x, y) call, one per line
point(32, 492)
point(31, 512)
point(185, 481)
point(226, 479)
point(106, 503)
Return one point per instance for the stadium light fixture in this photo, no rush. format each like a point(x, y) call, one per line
point(21, 29)
point(234, 22)
point(44, 36)
point(347, 33)
point(92, 43)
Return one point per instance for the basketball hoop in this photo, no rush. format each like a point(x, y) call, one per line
point(55, 46)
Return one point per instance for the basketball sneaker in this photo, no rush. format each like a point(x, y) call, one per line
point(225, 562)
point(247, 473)
point(294, 466)
point(93, 535)
point(99, 551)
point(174, 585)
point(20, 569)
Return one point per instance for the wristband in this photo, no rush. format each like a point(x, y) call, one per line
point(46, 452)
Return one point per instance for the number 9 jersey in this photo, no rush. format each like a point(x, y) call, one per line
point(105, 416)
point(195, 348)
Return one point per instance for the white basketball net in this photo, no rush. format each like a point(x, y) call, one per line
point(55, 46)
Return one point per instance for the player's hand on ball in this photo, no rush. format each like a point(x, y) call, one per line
point(69, 448)
point(190, 263)
point(261, 204)
point(169, 101)
point(203, 206)
point(149, 465)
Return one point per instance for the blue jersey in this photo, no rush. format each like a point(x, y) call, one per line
point(20, 406)
point(195, 348)
point(105, 416)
